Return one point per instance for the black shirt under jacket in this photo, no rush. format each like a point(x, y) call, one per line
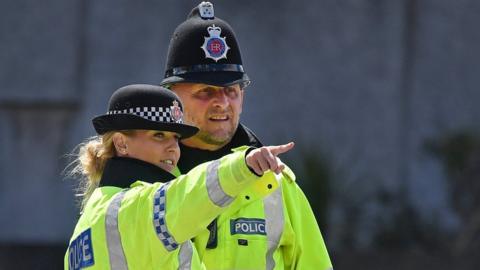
point(122, 172)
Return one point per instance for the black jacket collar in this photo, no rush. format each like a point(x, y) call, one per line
point(192, 157)
point(122, 172)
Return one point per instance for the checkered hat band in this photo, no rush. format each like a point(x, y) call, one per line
point(157, 114)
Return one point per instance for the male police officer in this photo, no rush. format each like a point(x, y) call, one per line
point(204, 68)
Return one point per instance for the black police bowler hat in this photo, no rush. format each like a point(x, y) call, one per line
point(143, 106)
point(204, 49)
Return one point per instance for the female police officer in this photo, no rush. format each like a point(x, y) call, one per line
point(133, 217)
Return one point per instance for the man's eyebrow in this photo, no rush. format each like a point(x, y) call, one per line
point(214, 88)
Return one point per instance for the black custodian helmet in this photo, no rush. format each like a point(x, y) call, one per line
point(203, 49)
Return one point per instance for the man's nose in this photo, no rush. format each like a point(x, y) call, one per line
point(221, 99)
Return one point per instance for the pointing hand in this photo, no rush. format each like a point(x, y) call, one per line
point(265, 158)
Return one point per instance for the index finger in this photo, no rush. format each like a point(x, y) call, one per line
point(280, 149)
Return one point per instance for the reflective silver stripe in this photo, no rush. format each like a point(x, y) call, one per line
point(114, 241)
point(159, 221)
point(274, 222)
point(185, 256)
point(215, 191)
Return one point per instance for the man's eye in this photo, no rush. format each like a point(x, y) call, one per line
point(231, 92)
point(203, 94)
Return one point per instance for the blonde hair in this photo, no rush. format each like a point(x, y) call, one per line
point(89, 163)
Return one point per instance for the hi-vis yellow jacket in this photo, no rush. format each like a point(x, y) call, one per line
point(133, 222)
point(273, 233)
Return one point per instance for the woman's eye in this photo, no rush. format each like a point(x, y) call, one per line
point(160, 135)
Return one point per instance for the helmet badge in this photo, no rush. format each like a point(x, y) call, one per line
point(214, 46)
point(176, 112)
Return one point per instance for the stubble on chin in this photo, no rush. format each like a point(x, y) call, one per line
point(214, 140)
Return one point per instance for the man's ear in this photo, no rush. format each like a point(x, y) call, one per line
point(242, 92)
point(120, 143)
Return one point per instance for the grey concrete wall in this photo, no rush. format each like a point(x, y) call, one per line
point(443, 91)
point(39, 75)
point(366, 82)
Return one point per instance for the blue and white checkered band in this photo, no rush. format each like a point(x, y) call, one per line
point(157, 114)
point(203, 68)
point(159, 222)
